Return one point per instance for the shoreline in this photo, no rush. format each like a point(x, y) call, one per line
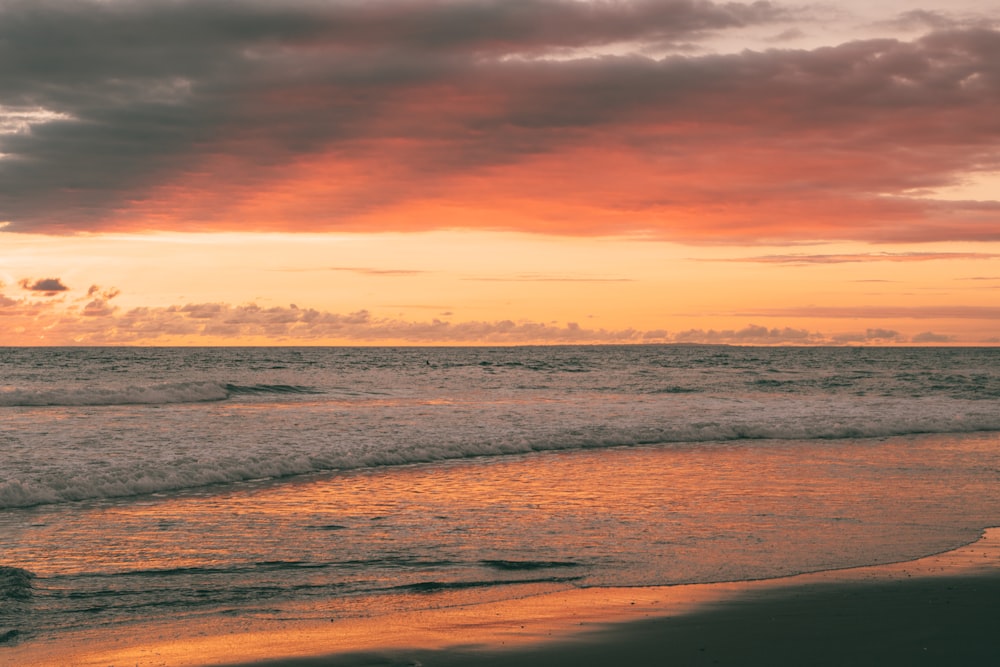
point(934, 610)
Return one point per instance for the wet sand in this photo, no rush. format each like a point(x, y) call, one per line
point(940, 609)
point(935, 621)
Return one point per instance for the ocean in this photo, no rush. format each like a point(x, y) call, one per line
point(305, 483)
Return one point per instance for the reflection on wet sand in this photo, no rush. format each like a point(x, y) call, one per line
point(825, 618)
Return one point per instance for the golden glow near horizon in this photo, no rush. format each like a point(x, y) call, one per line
point(479, 173)
point(463, 287)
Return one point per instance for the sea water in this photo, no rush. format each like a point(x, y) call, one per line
point(290, 483)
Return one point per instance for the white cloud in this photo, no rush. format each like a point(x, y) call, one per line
point(15, 120)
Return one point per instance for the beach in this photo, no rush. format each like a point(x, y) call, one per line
point(499, 332)
point(497, 505)
point(936, 610)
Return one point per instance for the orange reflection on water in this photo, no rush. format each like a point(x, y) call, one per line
point(559, 616)
point(645, 514)
point(399, 541)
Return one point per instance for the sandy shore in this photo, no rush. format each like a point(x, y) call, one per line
point(939, 610)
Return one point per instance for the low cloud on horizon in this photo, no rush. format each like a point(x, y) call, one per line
point(98, 322)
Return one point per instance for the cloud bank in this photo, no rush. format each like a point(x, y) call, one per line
point(94, 320)
point(420, 114)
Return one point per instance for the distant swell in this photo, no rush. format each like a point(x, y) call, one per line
point(154, 394)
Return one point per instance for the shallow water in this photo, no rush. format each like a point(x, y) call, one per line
point(171, 521)
point(360, 541)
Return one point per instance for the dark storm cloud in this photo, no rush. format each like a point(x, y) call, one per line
point(150, 48)
point(169, 113)
point(145, 87)
point(521, 26)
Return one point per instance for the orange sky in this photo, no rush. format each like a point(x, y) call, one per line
point(457, 172)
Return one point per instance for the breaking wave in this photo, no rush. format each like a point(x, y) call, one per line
point(385, 438)
point(256, 389)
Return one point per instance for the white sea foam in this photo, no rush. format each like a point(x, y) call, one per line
point(161, 419)
point(193, 448)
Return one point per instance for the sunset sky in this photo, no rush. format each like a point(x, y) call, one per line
point(211, 172)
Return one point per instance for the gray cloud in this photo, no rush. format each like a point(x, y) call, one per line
point(750, 335)
point(50, 286)
point(142, 90)
point(165, 113)
point(224, 321)
point(787, 35)
point(870, 336)
point(921, 19)
point(931, 337)
point(100, 323)
point(99, 306)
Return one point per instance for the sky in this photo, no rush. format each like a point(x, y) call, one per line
point(425, 172)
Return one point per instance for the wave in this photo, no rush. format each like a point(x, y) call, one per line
point(15, 593)
point(438, 586)
point(194, 474)
point(199, 451)
point(256, 389)
point(15, 583)
point(153, 394)
point(516, 565)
